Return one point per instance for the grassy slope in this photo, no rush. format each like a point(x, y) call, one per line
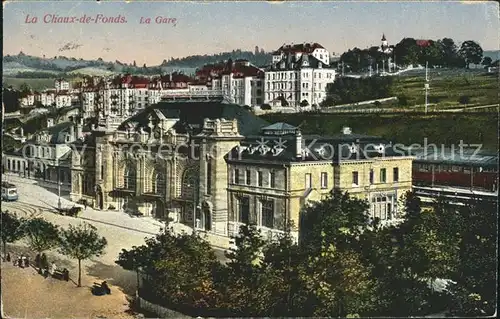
point(35, 84)
point(403, 128)
point(445, 90)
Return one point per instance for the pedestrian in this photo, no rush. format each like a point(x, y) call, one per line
point(23, 261)
point(27, 262)
point(85, 205)
point(14, 260)
point(8, 257)
point(66, 274)
point(44, 264)
point(37, 261)
point(20, 261)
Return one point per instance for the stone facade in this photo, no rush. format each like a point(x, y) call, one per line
point(221, 173)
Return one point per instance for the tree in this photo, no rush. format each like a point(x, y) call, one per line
point(464, 99)
point(450, 57)
point(471, 52)
point(41, 234)
point(81, 242)
point(25, 89)
point(338, 219)
point(178, 270)
point(487, 61)
point(304, 103)
point(10, 229)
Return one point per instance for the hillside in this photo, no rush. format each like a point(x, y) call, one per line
point(27, 66)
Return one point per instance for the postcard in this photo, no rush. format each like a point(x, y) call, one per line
point(249, 159)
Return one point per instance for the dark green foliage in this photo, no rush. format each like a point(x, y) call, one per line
point(81, 242)
point(402, 128)
point(10, 229)
point(464, 99)
point(41, 234)
point(265, 107)
point(350, 90)
point(471, 52)
point(345, 265)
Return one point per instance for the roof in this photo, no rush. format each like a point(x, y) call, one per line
point(279, 127)
point(282, 148)
point(291, 62)
point(423, 43)
point(455, 156)
point(294, 48)
point(239, 68)
point(191, 116)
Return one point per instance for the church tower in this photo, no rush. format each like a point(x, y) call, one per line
point(384, 43)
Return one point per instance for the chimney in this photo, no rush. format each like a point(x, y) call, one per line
point(79, 130)
point(298, 143)
point(72, 131)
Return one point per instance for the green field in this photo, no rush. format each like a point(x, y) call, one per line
point(473, 128)
point(445, 90)
point(35, 84)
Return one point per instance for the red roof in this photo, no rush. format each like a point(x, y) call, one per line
point(303, 48)
point(424, 43)
point(240, 69)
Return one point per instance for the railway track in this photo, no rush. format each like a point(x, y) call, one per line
point(21, 209)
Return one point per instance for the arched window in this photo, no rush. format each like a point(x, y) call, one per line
point(158, 182)
point(190, 181)
point(130, 178)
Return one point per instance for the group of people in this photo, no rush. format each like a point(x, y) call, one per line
point(21, 261)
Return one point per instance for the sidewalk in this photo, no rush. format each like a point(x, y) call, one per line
point(33, 194)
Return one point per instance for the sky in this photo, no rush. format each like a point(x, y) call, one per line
point(207, 28)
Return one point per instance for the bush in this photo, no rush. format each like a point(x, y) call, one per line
point(403, 100)
point(111, 207)
point(377, 103)
point(464, 99)
point(265, 107)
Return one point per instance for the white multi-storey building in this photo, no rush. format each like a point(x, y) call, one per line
point(314, 49)
point(63, 99)
point(297, 80)
point(61, 85)
point(28, 100)
point(239, 81)
point(46, 98)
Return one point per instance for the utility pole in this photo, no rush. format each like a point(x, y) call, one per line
point(426, 87)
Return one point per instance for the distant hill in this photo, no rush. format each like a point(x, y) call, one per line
point(27, 66)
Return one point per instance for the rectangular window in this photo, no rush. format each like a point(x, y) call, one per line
point(259, 178)
point(371, 176)
point(209, 178)
point(324, 180)
point(236, 176)
point(355, 178)
point(248, 177)
point(267, 213)
point(383, 176)
point(102, 172)
point(308, 181)
point(272, 179)
point(244, 210)
point(395, 172)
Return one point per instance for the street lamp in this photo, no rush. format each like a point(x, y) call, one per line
point(59, 205)
point(194, 184)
